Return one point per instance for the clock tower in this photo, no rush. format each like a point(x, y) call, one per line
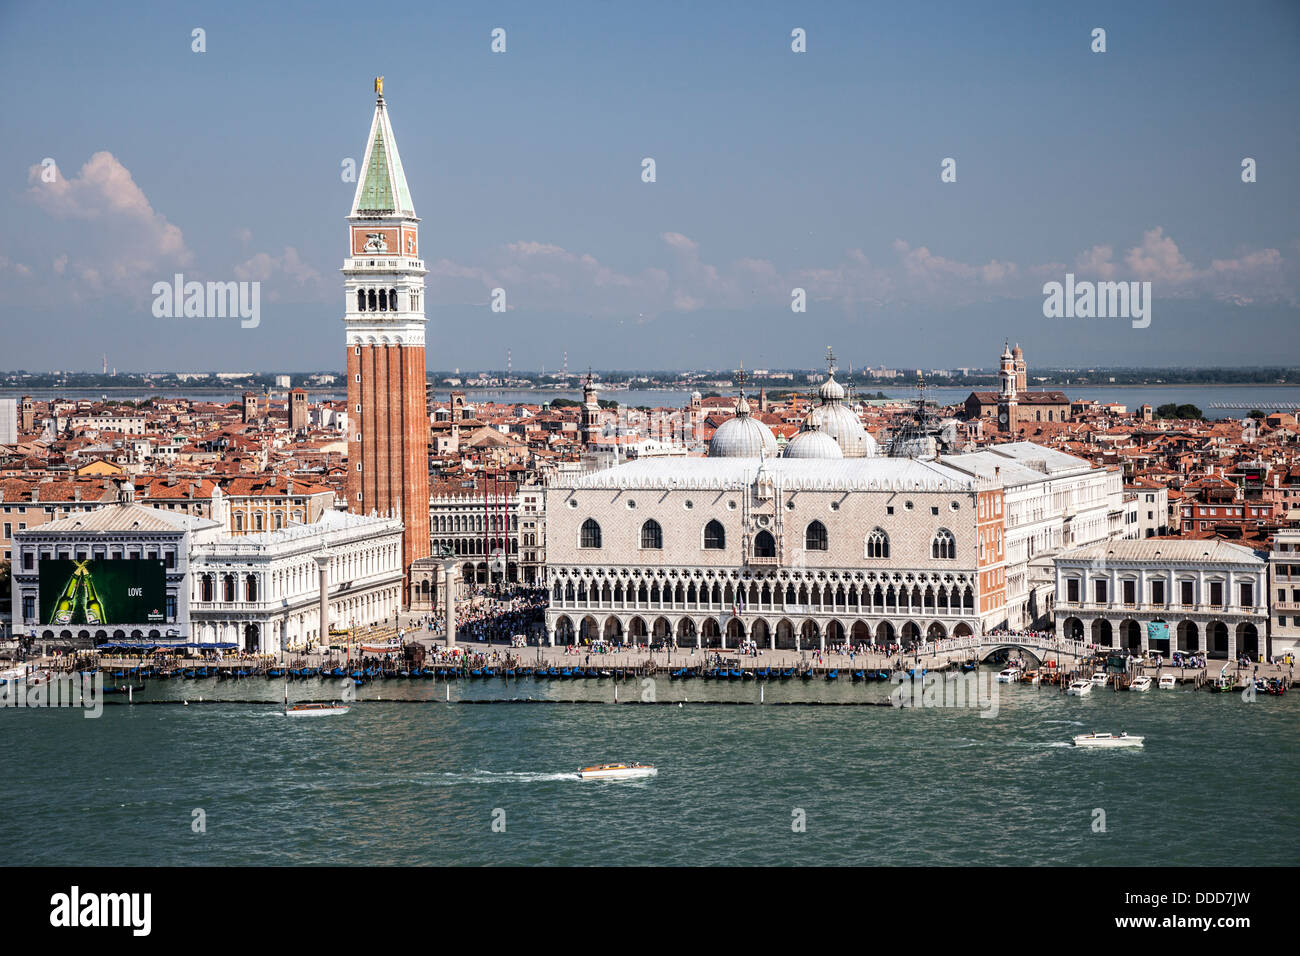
point(383, 279)
point(1008, 404)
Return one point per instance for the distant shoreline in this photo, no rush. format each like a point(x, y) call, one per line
point(170, 390)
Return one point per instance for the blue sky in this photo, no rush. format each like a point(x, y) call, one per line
point(774, 170)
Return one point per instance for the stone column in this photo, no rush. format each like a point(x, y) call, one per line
point(323, 629)
point(449, 600)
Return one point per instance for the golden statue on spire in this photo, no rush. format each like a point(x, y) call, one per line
point(379, 85)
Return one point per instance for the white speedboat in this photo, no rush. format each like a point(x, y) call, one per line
point(617, 771)
point(316, 710)
point(1167, 682)
point(1141, 682)
point(1107, 740)
point(1078, 688)
point(1099, 679)
point(1009, 676)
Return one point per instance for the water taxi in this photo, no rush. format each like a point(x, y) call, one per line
point(1223, 683)
point(1107, 740)
point(1099, 679)
point(1141, 682)
point(1167, 682)
point(617, 771)
point(1078, 688)
point(1009, 676)
point(316, 710)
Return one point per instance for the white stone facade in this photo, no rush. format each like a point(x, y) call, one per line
point(784, 552)
point(262, 591)
point(1054, 501)
point(1284, 593)
point(1211, 595)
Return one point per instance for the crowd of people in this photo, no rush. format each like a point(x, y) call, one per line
point(496, 614)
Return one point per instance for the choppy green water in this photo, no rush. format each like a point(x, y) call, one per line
point(423, 783)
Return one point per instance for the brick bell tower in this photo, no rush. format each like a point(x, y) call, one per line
point(388, 422)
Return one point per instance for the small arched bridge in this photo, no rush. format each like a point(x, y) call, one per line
point(983, 646)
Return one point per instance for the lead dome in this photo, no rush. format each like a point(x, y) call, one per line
point(742, 436)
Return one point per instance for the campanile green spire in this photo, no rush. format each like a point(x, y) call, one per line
point(382, 189)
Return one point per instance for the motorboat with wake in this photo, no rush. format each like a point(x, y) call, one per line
point(316, 710)
point(1141, 682)
point(1078, 688)
point(323, 709)
point(1107, 740)
point(617, 771)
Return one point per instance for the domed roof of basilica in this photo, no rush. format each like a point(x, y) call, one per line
point(837, 420)
point(831, 391)
point(812, 442)
point(742, 436)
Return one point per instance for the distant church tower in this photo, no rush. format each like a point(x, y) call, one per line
point(388, 422)
point(1022, 384)
point(589, 422)
point(298, 409)
point(1007, 400)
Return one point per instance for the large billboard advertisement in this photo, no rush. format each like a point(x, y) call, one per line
point(102, 591)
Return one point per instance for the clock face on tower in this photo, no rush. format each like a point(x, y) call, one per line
point(1002, 417)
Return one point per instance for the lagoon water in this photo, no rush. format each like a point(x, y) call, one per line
point(423, 781)
point(1209, 398)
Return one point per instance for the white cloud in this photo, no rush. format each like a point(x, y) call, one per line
point(17, 268)
point(121, 244)
point(1096, 262)
point(544, 275)
point(1157, 258)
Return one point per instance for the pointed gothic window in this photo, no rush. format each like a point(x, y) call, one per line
point(715, 538)
point(878, 544)
point(590, 534)
point(764, 546)
point(943, 545)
